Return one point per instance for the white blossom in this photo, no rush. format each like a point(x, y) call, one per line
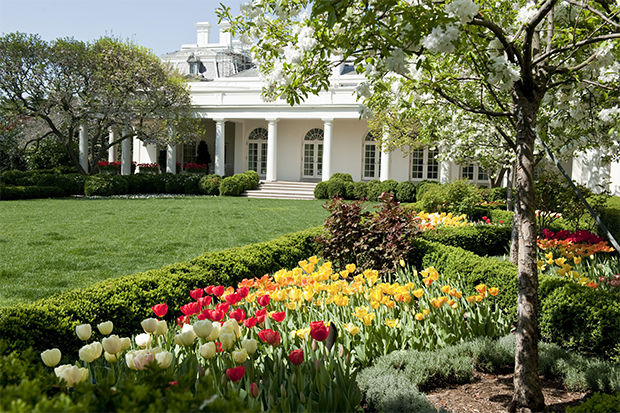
point(609, 115)
point(292, 54)
point(440, 40)
point(465, 10)
point(364, 90)
point(396, 62)
point(365, 112)
point(306, 41)
point(525, 13)
point(503, 72)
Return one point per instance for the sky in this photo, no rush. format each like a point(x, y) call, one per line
point(161, 25)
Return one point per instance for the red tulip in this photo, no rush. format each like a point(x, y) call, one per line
point(209, 290)
point(270, 337)
point(615, 282)
point(296, 357)
point(219, 290)
point(250, 322)
point(196, 294)
point(191, 308)
point(263, 300)
point(238, 314)
point(218, 346)
point(205, 301)
point(279, 317)
point(235, 374)
point(223, 307)
point(260, 315)
point(254, 390)
point(160, 310)
point(232, 299)
point(243, 292)
point(318, 330)
point(202, 316)
point(184, 319)
point(603, 279)
point(217, 315)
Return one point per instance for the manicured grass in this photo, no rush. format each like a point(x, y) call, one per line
point(51, 245)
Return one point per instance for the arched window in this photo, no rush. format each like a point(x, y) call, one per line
point(257, 151)
point(372, 158)
point(313, 154)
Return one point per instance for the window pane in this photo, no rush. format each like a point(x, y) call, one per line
point(417, 164)
point(468, 172)
point(263, 159)
point(432, 168)
point(319, 160)
point(253, 157)
point(482, 174)
point(308, 159)
point(370, 159)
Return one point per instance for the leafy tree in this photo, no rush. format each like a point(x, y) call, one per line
point(538, 69)
point(66, 83)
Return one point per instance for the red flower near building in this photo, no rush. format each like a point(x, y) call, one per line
point(160, 310)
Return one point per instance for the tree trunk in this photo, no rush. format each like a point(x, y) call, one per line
point(528, 395)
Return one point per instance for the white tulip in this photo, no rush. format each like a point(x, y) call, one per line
point(51, 357)
point(112, 344)
point(105, 328)
point(234, 326)
point(227, 338)
point(143, 340)
point(71, 374)
point(207, 350)
point(162, 327)
point(149, 325)
point(110, 358)
point(203, 328)
point(83, 331)
point(249, 344)
point(215, 332)
point(91, 352)
point(164, 359)
point(125, 343)
point(185, 338)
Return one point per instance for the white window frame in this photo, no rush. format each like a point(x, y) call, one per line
point(480, 176)
point(258, 136)
point(430, 169)
point(369, 141)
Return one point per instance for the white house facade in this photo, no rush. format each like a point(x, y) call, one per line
point(310, 141)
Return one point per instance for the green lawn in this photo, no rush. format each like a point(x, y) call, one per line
point(51, 245)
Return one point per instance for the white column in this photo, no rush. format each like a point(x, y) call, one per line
point(328, 127)
point(171, 154)
point(127, 156)
point(83, 146)
point(113, 150)
point(385, 164)
point(220, 135)
point(272, 150)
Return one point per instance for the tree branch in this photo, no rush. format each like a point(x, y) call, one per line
point(513, 55)
point(469, 108)
point(592, 40)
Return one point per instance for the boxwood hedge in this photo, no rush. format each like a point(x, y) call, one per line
point(127, 300)
point(480, 239)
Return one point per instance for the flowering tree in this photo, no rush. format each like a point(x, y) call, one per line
point(520, 70)
point(65, 84)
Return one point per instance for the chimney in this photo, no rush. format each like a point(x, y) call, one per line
point(203, 30)
point(225, 37)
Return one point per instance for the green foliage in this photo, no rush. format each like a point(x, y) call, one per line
point(357, 190)
point(378, 240)
point(8, 193)
point(48, 153)
point(454, 263)
point(424, 186)
point(245, 181)
point(145, 183)
point(610, 215)
point(458, 197)
point(495, 195)
point(342, 176)
point(203, 157)
point(373, 190)
point(405, 192)
point(479, 239)
point(192, 185)
point(336, 188)
point(253, 177)
point(600, 403)
point(579, 318)
point(498, 215)
point(72, 184)
point(127, 300)
point(320, 190)
point(105, 185)
point(26, 385)
point(230, 186)
point(210, 184)
point(175, 184)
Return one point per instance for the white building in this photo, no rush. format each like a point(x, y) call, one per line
point(307, 142)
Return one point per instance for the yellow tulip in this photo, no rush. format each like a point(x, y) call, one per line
point(291, 306)
point(341, 301)
point(313, 260)
point(309, 268)
point(361, 312)
point(493, 291)
point(452, 304)
point(426, 311)
point(418, 293)
point(577, 260)
point(560, 261)
point(445, 289)
point(351, 328)
point(295, 295)
point(392, 323)
point(478, 298)
point(350, 268)
point(419, 316)
point(436, 302)
point(308, 295)
point(368, 319)
point(375, 304)
point(471, 299)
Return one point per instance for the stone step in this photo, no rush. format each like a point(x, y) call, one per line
point(282, 190)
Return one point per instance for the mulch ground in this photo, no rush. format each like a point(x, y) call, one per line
point(492, 393)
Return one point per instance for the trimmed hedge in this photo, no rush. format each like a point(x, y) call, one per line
point(8, 193)
point(105, 185)
point(210, 184)
point(480, 239)
point(452, 262)
point(127, 300)
point(230, 186)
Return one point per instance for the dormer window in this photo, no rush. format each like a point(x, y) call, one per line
point(194, 65)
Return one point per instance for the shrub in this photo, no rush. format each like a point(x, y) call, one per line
point(600, 403)
point(146, 183)
point(175, 184)
point(72, 184)
point(357, 190)
point(8, 193)
point(245, 181)
point(458, 197)
point(192, 185)
point(210, 184)
point(230, 186)
point(424, 186)
point(405, 192)
point(498, 215)
point(376, 241)
point(342, 176)
point(105, 185)
point(454, 262)
point(610, 215)
point(373, 190)
point(480, 239)
point(336, 188)
point(579, 318)
point(320, 190)
point(254, 178)
point(127, 300)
